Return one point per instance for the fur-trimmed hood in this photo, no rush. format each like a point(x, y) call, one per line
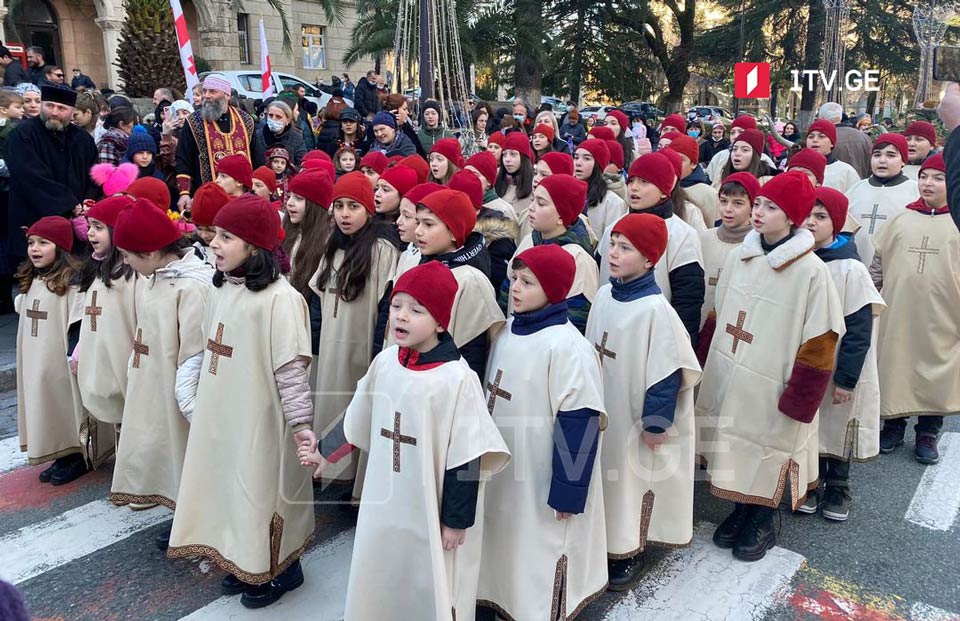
point(782, 256)
point(494, 227)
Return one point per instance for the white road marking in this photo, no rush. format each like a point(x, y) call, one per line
point(321, 598)
point(936, 502)
point(46, 545)
point(703, 582)
point(11, 457)
point(925, 612)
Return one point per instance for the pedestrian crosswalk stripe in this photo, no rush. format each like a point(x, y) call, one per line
point(11, 457)
point(936, 502)
point(56, 541)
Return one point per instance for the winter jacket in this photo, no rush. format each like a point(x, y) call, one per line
point(365, 98)
point(576, 132)
point(401, 145)
point(709, 148)
point(429, 137)
point(499, 235)
point(291, 139)
point(328, 141)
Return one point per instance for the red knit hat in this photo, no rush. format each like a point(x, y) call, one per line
point(316, 154)
point(279, 152)
point(836, 204)
point(676, 121)
point(108, 209)
point(375, 160)
point(616, 153)
point(152, 189)
point(558, 163)
point(267, 176)
point(238, 167)
point(355, 186)
point(793, 193)
point(517, 141)
point(895, 140)
point(748, 182)
point(319, 165)
point(924, 129)
point(419, 166)
point(675, 159)
point(655, 168)
point(433, 285)
point(554, 268)
point(315, 186)
point(621, 119)
point(826, 128)
point(417, 192)
point(753, 137)
point(647, 233)
point(671, 135)
point(400, 178)
point(56, 229)
point(454, 209)
point(744, 122)
point(467, 182)
point(602, 132)
point(497, 138)
point(252, 219)
point(810, 159)
point(935, 162)
point(546, 130)
point(685, 145)
point(207, 201)
point(450, 149)
point(569, 195)
point(484, 163)
point(144, 227)
point(598, 150)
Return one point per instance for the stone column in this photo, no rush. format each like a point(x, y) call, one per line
point(111, 39)
point(3, 16)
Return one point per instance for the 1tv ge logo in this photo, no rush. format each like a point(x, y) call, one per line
point(751, 80)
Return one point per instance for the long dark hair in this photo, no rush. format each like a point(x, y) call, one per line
point(124, 114)
point(314, 231)
point(109, 269)
point(523, 178)
point(626, 141)
point(59, 275)
point(596, 186)
point(351, 277)
point(260, 269)
point(757, 167)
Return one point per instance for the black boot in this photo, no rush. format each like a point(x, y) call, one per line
point(266, 594)
point(757, 535)
point(163, 539)
point(623, 573)
point(73, 467)
point(231, 585)
point(47, 474)
point(728, 532)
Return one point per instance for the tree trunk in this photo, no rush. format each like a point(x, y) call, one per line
point(678, 74)
point(528, 69)
point(811, 58)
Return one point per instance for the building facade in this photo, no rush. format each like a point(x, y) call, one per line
point(85, 34)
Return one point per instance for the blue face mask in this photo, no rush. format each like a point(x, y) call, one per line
point(274, 125)
point(519, 117)
point(693, 133)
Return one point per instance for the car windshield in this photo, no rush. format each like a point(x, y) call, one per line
point(590, 109)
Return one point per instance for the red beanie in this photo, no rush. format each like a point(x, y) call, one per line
point(433, 286)
point(497, 138)
point(517, 141)
point(418, 165)
point(810, 159)
point(450, 149)
point(616, 153)
point(152, 189)
point(558, 163)
point(598, 150)
point(546, 130)
point(484, 163)
point(675, 159)
point(826, 128)
point(401, 178)
point(793, 193)
point(375, 160)
point(655, 168)
point(935, 162)
point(895, 140)
point(252, 219)
point(267, 176)
point(455, 210)
point(744, 122)
point(621, 119)
point(924, 129)
point(753, 137)
point(676, 121)
point(144, 227)
point(685, 145)
point(602, 132)
point(647, 233)
point(316, 154)
point(319, 165)
point(356, 187)
point(569, 196)
point(315, 186)
point(56, 229)
point(467, 182)
point(671, 135)
point(238, 167)
point(554, 268)
point(747, 181)
point(417, 192)
point(108, 209)
point(207, 201)
point(836, 204)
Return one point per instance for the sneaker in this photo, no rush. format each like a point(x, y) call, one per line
point(811, 504)
point(836, 504)
point(890, 439)
point(926, 450)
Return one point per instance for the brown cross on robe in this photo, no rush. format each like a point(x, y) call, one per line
point(139, 349)
point(93, 311)
point(873, 217)
point(601, 348)
point(713, 280)
point(35, 315)
point(496, 391)
point(218, 349)
point(398, 439)
point(923, 250)
point(737, 331)
point(336, 299)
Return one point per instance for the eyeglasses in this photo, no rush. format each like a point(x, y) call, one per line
point(58, 75)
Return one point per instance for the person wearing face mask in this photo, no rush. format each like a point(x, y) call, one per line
point(278, 131)
point(695, 130)
point(715, 143)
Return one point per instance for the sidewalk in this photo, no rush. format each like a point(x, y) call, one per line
point(8, 352)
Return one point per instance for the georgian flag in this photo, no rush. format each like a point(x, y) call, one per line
point(183, 41)
point(266, 74)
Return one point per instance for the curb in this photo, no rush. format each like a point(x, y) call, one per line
point(8, 377)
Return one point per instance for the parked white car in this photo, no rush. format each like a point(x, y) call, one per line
point(249, 85)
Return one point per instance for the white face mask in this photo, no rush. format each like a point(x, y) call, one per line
point(275, 125)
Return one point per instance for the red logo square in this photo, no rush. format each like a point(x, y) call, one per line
point(751, 80)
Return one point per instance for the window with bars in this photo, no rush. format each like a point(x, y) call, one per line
point(243, 30)
point(312, 44)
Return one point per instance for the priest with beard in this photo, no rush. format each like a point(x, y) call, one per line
point(211, 133)
point(49, 160)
